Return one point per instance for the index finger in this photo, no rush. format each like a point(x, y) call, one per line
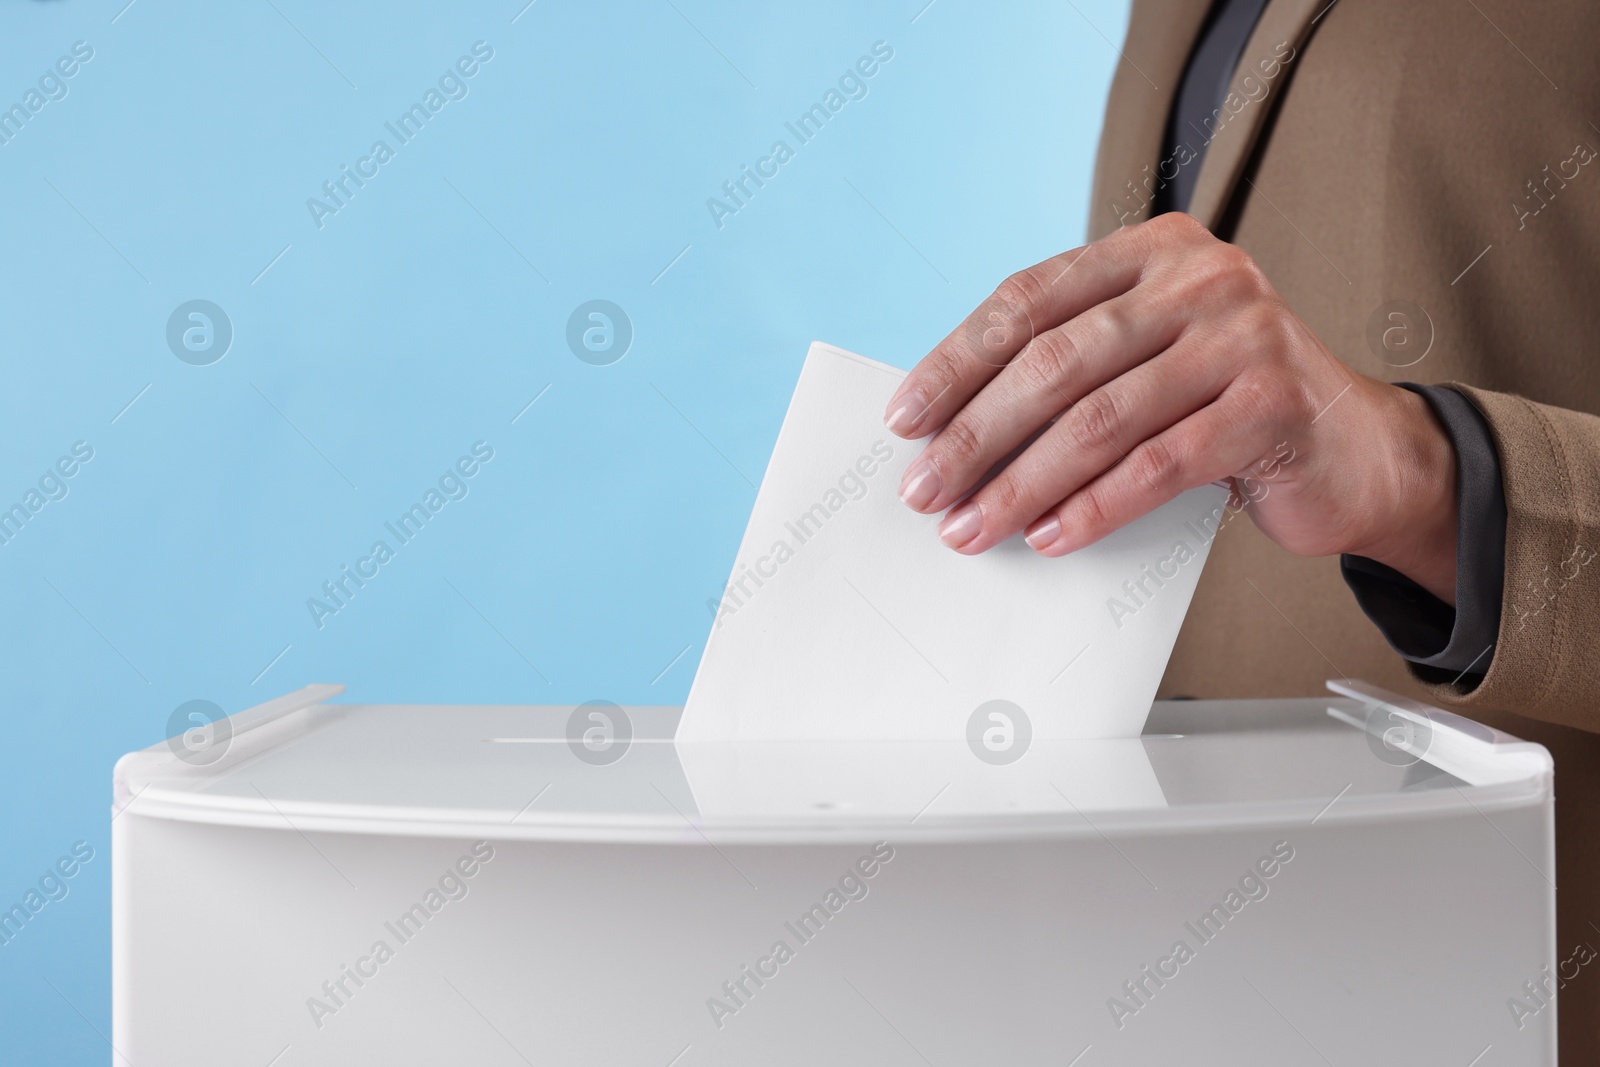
point(1026, 304)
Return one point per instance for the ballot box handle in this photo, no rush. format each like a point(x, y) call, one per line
point(1473, 752)
point(225, 743)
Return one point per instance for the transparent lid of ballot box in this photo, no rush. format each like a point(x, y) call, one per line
point(602, 772)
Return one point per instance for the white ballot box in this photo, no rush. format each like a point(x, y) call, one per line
point(1356, 879)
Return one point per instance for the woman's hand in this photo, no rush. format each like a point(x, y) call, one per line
point(1151, 362)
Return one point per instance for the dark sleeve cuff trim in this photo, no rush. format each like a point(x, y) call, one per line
point(1444, 642)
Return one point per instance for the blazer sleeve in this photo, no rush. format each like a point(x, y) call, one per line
point(1417, 624)
point(1546, 660)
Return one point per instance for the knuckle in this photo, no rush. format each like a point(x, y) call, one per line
point(1226, 263)
point(1267, 330)
point(1004, 497)
point(1112, 322)
point(1047, 361)
point(1178, 224)
point(1004, 323)
point(1242, 272)
point(1095, 423)
point(1226, 276)
point(1261, 398)
point(941, 368)
point(1020, 294)
point(1212, 255)
point(1091, 511)
point(1248, 330)
point(1153, 467)
point(1251, 272)
point(959, 441)
point(1251, 285)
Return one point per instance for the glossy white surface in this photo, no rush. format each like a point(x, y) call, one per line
point(512, 771)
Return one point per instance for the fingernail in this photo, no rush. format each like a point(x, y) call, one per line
point(920, 486)
point(1044, 533)
point(906, 412)
point(961, 526)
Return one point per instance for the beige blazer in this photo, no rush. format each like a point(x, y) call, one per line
point(1440, 153)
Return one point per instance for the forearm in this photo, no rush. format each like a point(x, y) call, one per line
point(1420, 498)
point(1455, 634)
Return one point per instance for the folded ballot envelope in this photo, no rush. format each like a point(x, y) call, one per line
point(845, 617)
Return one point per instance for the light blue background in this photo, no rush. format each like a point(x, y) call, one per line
point(380, 347)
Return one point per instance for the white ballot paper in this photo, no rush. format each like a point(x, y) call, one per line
point(846, 618)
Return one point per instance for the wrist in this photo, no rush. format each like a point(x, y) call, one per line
point(1416, 525)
